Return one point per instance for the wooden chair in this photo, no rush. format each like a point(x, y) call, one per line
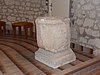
point(25, 25)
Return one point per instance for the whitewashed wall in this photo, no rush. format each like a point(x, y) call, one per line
point(86, 27)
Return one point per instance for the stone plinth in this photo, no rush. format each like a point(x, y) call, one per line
point(53, 38)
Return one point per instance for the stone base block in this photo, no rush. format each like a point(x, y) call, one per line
point(55, 59)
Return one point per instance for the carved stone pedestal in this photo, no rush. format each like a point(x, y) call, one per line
point(53, 38)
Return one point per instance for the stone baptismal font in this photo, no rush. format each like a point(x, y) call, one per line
point(53, 39)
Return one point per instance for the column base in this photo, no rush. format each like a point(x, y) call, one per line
point(56, 59)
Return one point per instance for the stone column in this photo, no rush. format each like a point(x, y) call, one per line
point(53, 38)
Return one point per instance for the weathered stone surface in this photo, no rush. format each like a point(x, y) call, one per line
point(11, 18)
point(17, 3)
point(96, 52)
point(98, 14)
point(78, 6)
point(88, 7)
point(9, 2)
point(98, 8)
point(88, 31)
point(53, 39)
point(55, 60)
point(28, 4)
point(9, 10)
point(79, 22)
point(92, 14)
point(83, 40)
point(88, 1)
point(4, 10)
point(96, 27)
point(96, 2)
point(87, 17)
point(96, 33)
point(81, 30)
point(82, 2)
point(74, 33)
point(98, 24)
point(91, 42)
point(88, 22)
point(97, 42)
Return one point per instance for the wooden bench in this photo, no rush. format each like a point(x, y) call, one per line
point(2, 28)
point(25, 25)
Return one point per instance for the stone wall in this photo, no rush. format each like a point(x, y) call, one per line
point(86, 23)
point(21, 10)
